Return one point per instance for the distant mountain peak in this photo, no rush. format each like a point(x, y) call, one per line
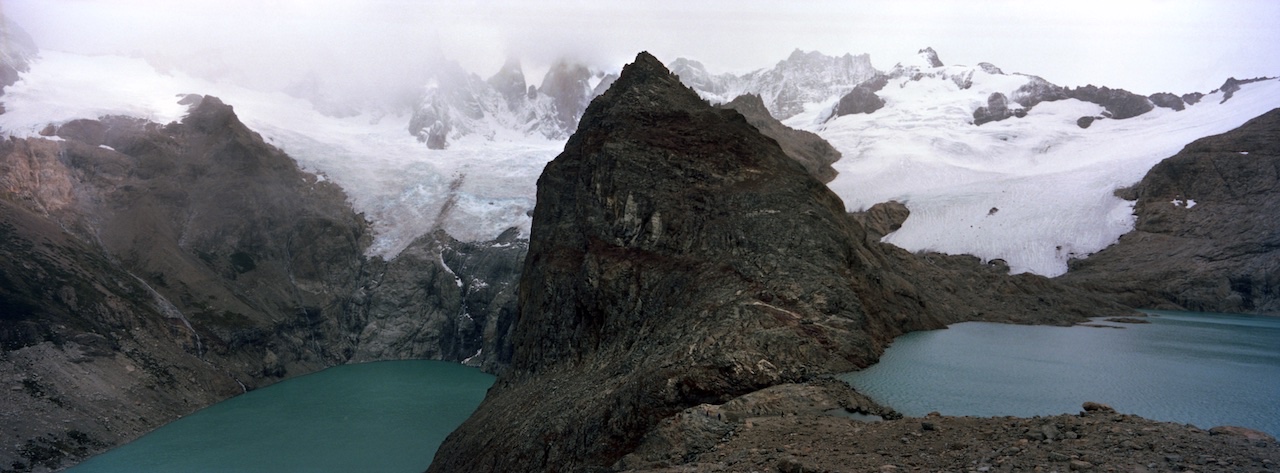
point(930, 57)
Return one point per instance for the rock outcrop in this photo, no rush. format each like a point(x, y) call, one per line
point(1168, 100)
point(803, 77)
point(1119, 103)
point(679, 257)
point(882, 219)
point(810, 150)
point(442, 299)
point(454, 103)
point(931, 57)
point(1232, 85)
point(997, 109)
point(1206, 238)
point(862, 99)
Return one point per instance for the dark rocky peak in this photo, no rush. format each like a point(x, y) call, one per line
point(509, 81)
point(644, 93)
point(810, 150)
point(862, 99)
point(990, 68)
point(664, 223)
point(208, 114)
point(1168, 100)
point(930, 57)
point(1120, 103)
point(679, 257)
point(1037, 90)
point(997, 109)
point(1232, 85)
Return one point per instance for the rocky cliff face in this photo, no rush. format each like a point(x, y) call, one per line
point(443, 299)
point(455, 103)
point(149, 270)
point(801, 78)
point(810, 150)
point(1206, 238)
point(679, 257)
point(178, 265)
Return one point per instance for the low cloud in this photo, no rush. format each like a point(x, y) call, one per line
point(379, 52)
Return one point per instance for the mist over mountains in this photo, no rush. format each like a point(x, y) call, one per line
point(172, 210)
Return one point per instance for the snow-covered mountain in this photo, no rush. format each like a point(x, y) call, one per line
point(456, 103)
point(17, 50)
point(801, 78)
point(1034, 185)
point(1030, 185)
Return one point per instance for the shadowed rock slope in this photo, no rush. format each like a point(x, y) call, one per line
point(679, 257)
point(1207, 236)
point(813, 152)
point(148, 270)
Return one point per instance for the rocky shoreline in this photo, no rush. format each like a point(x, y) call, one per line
point(810, 438)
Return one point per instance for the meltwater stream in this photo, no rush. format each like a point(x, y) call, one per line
point(387, 417)
point(1185, 367)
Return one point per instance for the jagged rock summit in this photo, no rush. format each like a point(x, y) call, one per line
point(679, 257)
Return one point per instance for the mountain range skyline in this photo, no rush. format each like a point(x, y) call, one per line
point(386, 48)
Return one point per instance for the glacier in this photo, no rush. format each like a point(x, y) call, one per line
point(1034, 191)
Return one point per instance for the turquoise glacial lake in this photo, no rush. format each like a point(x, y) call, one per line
point(1185, 367)
point(376, 417)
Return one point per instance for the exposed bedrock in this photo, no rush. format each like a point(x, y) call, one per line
point(1207, 237)
point(679, 257)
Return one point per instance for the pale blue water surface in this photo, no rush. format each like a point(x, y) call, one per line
point(1185, 367)
point(375, 417)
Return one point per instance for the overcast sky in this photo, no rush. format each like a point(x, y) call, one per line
point(1146, 46)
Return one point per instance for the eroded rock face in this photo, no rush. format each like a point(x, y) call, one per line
point(443, 299)
point(931, 57)
point(1168, 100)
point(882, 219)
point(810, 150)
point(861, 99)
point(997, 109)
point(1206, 238)
point(678, 257)
point(192, 255)
point(1120, 103)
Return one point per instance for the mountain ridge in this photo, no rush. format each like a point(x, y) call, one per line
point(678, 257)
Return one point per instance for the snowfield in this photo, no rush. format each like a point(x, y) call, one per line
point(1033, 191)
point(475, 190)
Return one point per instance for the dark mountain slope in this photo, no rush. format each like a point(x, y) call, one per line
point(679, 257)
point(1208, 233)
point(148, 270)
point(809, 149)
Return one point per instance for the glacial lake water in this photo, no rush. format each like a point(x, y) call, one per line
point(386, 417)
point(1185, 367)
